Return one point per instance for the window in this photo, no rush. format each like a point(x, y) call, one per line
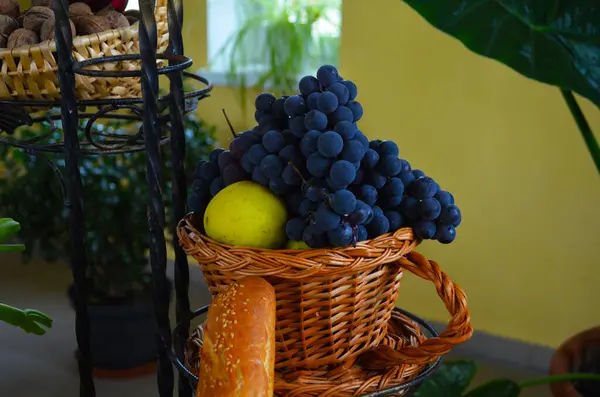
point(225, 17)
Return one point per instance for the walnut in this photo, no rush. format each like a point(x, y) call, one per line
point(90, 24)
point(77, 9)
point(115, 18)
point(47, 30)
point(22, 37)
point(10, 8)
point(7, 26)
point(35, 18)
point(41, 3)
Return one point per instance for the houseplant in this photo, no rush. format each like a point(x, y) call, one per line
point(30, 321)
point(279, 41)
point(556, 42)
point(115, 196)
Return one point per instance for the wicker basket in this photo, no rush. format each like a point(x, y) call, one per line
point(31, 72)
point(333, 305)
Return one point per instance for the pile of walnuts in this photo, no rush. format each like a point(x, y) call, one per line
point(37, 23)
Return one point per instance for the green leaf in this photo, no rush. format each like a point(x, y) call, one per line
point(12, 248)
point(451, 380)
point(553, 41)
point(496, 388)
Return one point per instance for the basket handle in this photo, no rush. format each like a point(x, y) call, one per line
point(459, 329)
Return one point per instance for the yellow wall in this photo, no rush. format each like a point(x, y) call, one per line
point(528, 251)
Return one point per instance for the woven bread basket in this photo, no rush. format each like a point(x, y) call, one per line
point(31, 72)
point(334, 305)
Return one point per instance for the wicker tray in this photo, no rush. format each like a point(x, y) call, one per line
point(31, 72)
point(334, 304)
point(405, 329)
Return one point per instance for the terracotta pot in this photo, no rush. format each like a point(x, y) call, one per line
point(567, 359)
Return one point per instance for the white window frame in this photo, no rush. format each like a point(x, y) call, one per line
point(222, 21)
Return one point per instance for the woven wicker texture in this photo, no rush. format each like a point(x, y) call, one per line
point(333, 305)
point(31, 72)
point(347, 380)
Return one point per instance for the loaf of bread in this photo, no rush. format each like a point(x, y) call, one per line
point(238, 355)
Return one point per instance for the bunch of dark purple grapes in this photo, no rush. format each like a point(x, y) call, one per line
point(339, 187)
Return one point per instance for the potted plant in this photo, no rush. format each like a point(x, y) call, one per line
point(30, 321)
point(115, 201)
point(532, 39)
point(279, 41)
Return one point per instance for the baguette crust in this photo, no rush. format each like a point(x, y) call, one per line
point(238, 355)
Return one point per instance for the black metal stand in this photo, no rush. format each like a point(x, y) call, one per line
point(162, 118)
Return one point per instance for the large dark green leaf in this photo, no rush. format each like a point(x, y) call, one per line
point(553, 41)
point(451, 380)
point(496, 388)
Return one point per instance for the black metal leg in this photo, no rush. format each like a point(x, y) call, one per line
point(78, 258)
point(156, 210)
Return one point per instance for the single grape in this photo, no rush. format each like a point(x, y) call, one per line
point(388, 148)
point(308, 85)
point(290, 176)
point(209, 171)
point(294, 106)
point(367, 193)
point(405, 166)
point(290, 154)
point(240, 145)
point(214, 155)
point(308, 144)
point(325, 218)
point(374, 144)
point(316, 193)
point(259, 177)
point(360, 176)
point(343, 202)
point(376, 179)
point(418, 174)
point(233, 173)
point(425, 229)
point(315, 120)
point(330, 144)
point(264, 101)
point(342, 173)
point(271, 166)
point(294, 228)
point(353, 152)
point(393, 188)
point(362, 139)
point(389, 165)
point(361, 233)
point(198, 170)
point(346, 129)
point(340, 114)
point(257, 115)
point(445, 198)
point(327, 102)
point(356, 109)
point(407, 178)
point(409, 208)
point(340, 91)
point(424, 187)
point(314, 238)
point(341, 236)
point(450, 215)
point(445, 234)
point(378, 226)
point(327, 75)
point(429, 209)
point(395, 220)
point(311, 101)
point(352, 90)
point(306, 207)
point(273, 141)
point(370, 159)
point(362, 213)
point(297, 126)
point(278, 108)
point(278, 186)
point(256, 153)
point(318, 165)
point(216, 186)
point(247, 164)
point(225, 159)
